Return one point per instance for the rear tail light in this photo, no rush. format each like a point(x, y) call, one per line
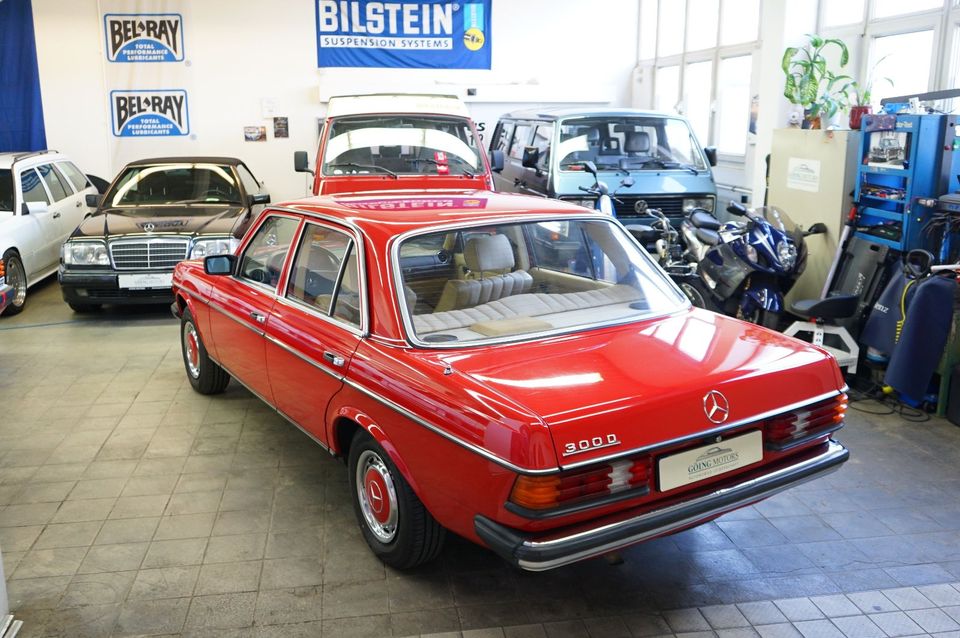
point(3, 268)
point(794, 428)
point(575, 486)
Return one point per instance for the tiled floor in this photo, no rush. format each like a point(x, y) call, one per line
point(130, 505)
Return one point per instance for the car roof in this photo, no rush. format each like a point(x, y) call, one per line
point(373, 103)
point(390, 213)
point(561, 113)
point(188, 159)
point(7, 159)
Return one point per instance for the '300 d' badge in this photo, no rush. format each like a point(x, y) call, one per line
point(594, 443)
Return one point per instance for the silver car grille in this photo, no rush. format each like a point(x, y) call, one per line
point(162, 253)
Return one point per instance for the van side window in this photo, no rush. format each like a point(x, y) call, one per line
point(521, 137)
point(502, 137)
point(542, 139)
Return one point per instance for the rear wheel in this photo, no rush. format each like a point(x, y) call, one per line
point(696, 291)
point(395, 524)
point(205, 376)
point(16, 276)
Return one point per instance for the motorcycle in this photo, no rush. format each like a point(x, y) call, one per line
point(604, 198)
point(746, 267)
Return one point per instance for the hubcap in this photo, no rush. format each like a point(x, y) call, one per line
point(377, 496)
point(191, 349)
point(17, 279)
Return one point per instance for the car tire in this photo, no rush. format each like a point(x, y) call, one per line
point(16, 276)
point(81, 308)
point(393, 521)
point(204, 374)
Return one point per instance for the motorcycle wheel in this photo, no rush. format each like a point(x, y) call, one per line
point(697, 293)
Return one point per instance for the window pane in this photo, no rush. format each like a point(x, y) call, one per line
point(733, 104)
point(668, 89)
point(648, 29)
point(520, 139)
point(740, 21)
point(31, 187)
point(263, 259)
point(905, 59)
point(316, 268)
point(887, 8)
point(702, 30)
point(57, 190)
point(696, 92)
point(250, 183)
point(670, 34)
point(837, 12)
point(79, 180)
point(801, 18)
point(541, 139)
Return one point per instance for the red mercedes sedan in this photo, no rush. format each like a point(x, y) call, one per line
point(512, 369)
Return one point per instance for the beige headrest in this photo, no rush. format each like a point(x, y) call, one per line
point(489, 252)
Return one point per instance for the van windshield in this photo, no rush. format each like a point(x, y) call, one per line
point(401, 145)
point(629, 143)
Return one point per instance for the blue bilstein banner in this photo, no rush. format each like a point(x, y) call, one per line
point(150, 113)
point(144, 37)
point(423, 34)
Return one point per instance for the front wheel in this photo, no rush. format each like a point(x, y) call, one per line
point(205, 376)
point(698, 294)
point(16, 276)
point(394, 522)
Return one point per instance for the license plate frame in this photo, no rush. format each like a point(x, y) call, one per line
point(709, 461)
point(145, 281)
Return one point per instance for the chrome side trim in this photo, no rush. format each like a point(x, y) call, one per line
point(302, 357)
point(437, 430)
point(705, 433)
point(223, 311)
point(271, 405)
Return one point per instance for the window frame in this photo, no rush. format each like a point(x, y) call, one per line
point(273, 291)
point(43, 184)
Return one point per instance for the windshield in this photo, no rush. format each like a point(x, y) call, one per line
point(6, 190)
point(629, 143)
point(516, 280)
point(776, 217)
point(401, 145)
point(175, 184)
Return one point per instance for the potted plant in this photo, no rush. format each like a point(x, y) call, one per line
point(811, 84)
point(863, 94)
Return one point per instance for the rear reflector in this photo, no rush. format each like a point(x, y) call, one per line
point(597, 481)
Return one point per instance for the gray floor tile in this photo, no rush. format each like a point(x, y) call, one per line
point(858, 627)
point(798, 609)
point(222, 611)
point(896, 623)
point(933, 620)
point(818, 629)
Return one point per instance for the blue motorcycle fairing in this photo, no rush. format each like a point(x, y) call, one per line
point(763, 297)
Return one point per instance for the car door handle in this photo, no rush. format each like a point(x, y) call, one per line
point(335, 359)
point(56, 215)
point(256, 316)
point(79, 204)
point(519, 182)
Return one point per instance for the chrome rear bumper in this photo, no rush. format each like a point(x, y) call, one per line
point(546, 551)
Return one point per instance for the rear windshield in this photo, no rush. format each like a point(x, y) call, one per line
point(402, 145)
point(629, 143)
point(175, 184)
point(519, 280)
point(6, 190)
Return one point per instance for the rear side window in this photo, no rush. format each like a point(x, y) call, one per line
point(76, 177)
point(33, 190)
point(58, 190)
point(324, 274)
point(263, 258)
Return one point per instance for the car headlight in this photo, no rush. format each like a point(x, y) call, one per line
point(706, 203)
point(751, 252)
point(218, 246)
point(786, 253)
point(586, 202)
point(84, 253)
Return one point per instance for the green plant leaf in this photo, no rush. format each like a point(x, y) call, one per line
point(790, 89)
point(815, 41)
point(788, 58)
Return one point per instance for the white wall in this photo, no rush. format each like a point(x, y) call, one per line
point(240, 52)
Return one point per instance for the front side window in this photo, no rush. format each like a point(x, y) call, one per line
point(629, 143)
point(175, 184)
point(32, 187)
point(324, 274)
point(250, 183)
point(541, 141)
point(521, 138)
point(262, 261)
point(503, 135)
point(402, 145)
point(74, 174)
point(522, 279)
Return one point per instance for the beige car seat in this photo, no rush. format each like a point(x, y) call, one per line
point(485, 254)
